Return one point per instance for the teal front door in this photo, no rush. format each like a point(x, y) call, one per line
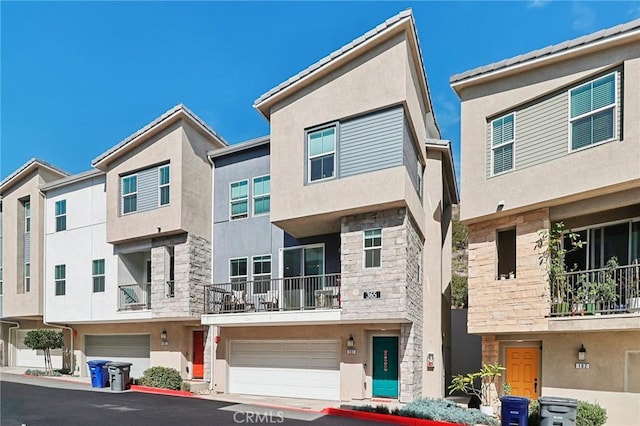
point(385, 367)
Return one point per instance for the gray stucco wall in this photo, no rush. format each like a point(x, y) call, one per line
point(248, 237)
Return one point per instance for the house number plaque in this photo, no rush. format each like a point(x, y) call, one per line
point(371, 295)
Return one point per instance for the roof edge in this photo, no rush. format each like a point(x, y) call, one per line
point(68, 180)
point(28, 165)
point(445, 147)
point(240, 146)
point(160, 120)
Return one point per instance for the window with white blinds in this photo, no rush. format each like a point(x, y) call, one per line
point(593, 106)
point(502, 139)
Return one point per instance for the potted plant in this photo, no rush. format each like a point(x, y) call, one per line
point(486, 377)
point(552, 257)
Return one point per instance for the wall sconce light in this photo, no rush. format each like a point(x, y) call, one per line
point(163, 336)
point(350, 341)
point(582, 353)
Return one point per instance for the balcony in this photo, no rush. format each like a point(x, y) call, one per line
point(605, 291)
point(305, 293)
point(134, 297)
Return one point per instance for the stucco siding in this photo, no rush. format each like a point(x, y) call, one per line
point(371, 142)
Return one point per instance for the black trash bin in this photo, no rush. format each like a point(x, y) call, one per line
point(514, 411)
point(556, 411)
point(98, 372)
point(119, 375)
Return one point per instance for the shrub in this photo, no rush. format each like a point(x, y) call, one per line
point(587, 414)
point(590, 414)
point(161, 377)
point(36, 372)
point(443, 410)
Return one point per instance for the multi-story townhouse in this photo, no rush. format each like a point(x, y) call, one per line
point(338, 292)
point(23, 207)
point(550, 137)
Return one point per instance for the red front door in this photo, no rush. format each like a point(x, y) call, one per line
point(198, 354)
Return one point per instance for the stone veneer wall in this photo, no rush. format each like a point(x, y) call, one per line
point(515, 305)
point(192, 270)
point(398, 279)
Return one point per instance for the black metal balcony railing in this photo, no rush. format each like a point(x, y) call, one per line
point(275, 294)
point(597, 291)
point(171, 288)
point(134, 297)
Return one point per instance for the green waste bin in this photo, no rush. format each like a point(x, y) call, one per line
point(119, 375)
point(555, 411)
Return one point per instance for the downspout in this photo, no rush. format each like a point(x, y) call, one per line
point(44, 291)
point(17, 326)
point(209, 333)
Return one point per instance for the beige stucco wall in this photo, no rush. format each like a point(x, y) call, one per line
point(190, 180)
point(599, 166)
point(355, 370)
point(349, 91)
point(177, 354)
point(15, 302)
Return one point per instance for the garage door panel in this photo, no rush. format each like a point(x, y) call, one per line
point(124, 348)
point(284, 368)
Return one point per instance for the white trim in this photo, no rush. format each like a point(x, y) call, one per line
point(614, 106)
point(254, 196)
point(122, 194)
point(365, 248)
point(231, 200)
point(25, 204)
point(512, 142)
point(324, 154)
point(94, 276)
point(56, 216)
point(161, 185)
point(261, 276)
point(302, 317)
point(246, 259)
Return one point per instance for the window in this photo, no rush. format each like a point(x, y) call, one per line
point(1, 289)
point(163, 184)
point(420, 173)
point(170, 256)
point(261, 273)
point(593, 112)
point(61, 215)
point(238, 273)
point(372, 247)
point(239, 199)
point(60, 279)
point(27, 278)
point(27, 217)
point(129, 194)
point(321, 149)
point(507, 253)
point(98, 275)
point(261, 195)
point(502, 137)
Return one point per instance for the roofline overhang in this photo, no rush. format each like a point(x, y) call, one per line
point(240, 146)
point(27, 168)
point(179, 112)
point(482, 77)
point(449, 168)
point(68, 180)
point(402, 22)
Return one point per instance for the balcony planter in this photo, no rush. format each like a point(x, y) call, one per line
point(560, 309)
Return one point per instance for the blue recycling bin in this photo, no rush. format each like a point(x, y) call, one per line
point(514, 411)
point(99, 373)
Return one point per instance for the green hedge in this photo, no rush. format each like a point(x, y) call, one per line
point(161, 377)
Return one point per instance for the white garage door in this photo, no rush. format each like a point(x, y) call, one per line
point(133, 348)
point(299, 369)
point(26, 357)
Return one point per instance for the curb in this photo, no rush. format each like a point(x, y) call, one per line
point(384, 418)
point(56, 378)
point(160, 391)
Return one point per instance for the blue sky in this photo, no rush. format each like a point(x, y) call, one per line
point(78, 77)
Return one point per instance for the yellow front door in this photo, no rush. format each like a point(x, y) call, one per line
point(522, 371)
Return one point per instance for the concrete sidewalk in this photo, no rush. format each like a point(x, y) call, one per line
point(16, 374)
